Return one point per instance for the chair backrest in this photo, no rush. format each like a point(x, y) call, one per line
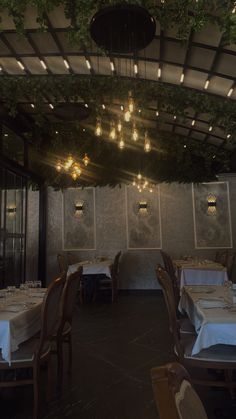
point(230, 263)
point(221, 257)
point(69, 297)
point(167, 288)
point(170, 269)
point(70, 258)
point(62, 262)
point(174, 396)
point(115, 265)
point(50, 312)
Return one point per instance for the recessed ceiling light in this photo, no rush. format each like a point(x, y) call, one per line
point(88, 64)
point(182, 78)
point(175, 116)
point(121, 107)
point(66, 64)
point(32, 105)
point(206, 84)
point(135, 69)
point(56, 132)
point(20, 65)
point(51, 105)
point(159, 73)
point(193, 122)
point(103, 106)
point(185, 146)
point(112, 66)
point(157, 113)
point(43, 64)
point(230, 92)
point(210, 128)
point(228, 136)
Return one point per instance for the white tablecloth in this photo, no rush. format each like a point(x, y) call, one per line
point(213, 325)
point(201, 273)
point(93, 267)
point(18, 326)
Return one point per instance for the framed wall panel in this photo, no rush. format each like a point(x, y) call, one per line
point(79, 219)
point(143, 219)
point(211, 215)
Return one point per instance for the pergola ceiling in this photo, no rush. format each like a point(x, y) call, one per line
point(202, 63)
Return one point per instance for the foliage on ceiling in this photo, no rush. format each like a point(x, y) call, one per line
point(173, 158)
point(186, 15)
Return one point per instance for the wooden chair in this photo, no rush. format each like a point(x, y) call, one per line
point(106, 283)
point(174, 396)
point(64, 334)
point(218, 357)
point(170, 268)
point(62, 262)
point(36, 351)
point(226, 259)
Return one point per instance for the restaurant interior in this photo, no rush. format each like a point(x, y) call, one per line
point(117, 209)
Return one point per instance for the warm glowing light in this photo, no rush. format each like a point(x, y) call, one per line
point(74, 175)
point(121, 144)
point(51, 105)
point(135, 69)
point(147, 143)
point(32, 105)
point(228, 136)
point(86, 160)
point(193, 122)
point(139, 176)
point(211, 203)
point(88, 64)
point(20, 65)
point(112, 134)
point(121, 107)
point(159, 73)
point(112, 66)
point(234, 8)
point(69, 162)
point(157, 113)
point(210, 128)
point(230, 92)
point(182, 78)
point(130, 103)
point(58, 166)
point(175, 117)
point(119, 126)
point(103, 106)
point(127, 115)
point(135, 133)
point(98, 128)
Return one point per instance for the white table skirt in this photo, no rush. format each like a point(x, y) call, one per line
point(201, 273)
point(93, 267)
point(17, 327)
point(213, 325)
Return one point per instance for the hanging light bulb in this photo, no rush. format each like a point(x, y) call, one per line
point(86, 160)
point(59, 166)
point(77, 169)
point(119, 126)
point(130, 102)
point(127, 115)
point(147, 143)
point(112, 133)
point(98, 128)
point(121, 143)
point(151, 190)
point(134, 183)
point(135, 133)
point(74, 175)
point(139, 176)
point(68, 162)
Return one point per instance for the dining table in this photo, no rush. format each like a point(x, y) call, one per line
point(98, 266)
point(212, 311)
point(200, 272)
point(20, 318)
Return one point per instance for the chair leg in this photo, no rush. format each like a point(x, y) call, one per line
point(69, 353)
point(49, 383)
point(36, 391)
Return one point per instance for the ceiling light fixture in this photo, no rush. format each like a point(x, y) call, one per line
point(206, 84)
point(88, 64)
point(66, 64)
point(20, 65)
point(230, 92)
point(228, 136)
point(43, 64)
point(210, 128)
point(51, 105)
point(32, 105)
point(135, 69)
point(182, 78)
point(157, 113)
point(193, 122)
point(159, 73)
point(112, 66)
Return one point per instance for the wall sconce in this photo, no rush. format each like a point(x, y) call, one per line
point(79, 209)
point(211, 202)
point(142, 207)
point(11, 211)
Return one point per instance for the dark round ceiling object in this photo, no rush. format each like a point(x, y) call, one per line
point(71, 111)
point(122, 28)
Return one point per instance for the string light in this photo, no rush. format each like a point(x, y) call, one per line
point(127, 115)
point(112, 134)
point(98, 128)
point(130, 102)
point(134, 133)
point(147, 143)
point(86, 160)
point(119, 126)
point(121, 144)
point(59, 166)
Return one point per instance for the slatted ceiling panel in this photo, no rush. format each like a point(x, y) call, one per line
point(3, 49)
point(209, 35)
point(45, 43)
point(201, 58)
point(124, 67)
point(181, 131)
point(214, 141)
point(6, 21)
point(202, 126)
point(152, 51)
point(171, 32)
point(219, 86)
point(219, 132)
point(31, 18)
point(19, 44)
point(78, 65)
point(34, 66)
point(171, 74)
point(200, 136)
point(66, 44)
point(151, 71)
point(195, 79)
point(58, 19)
point(10, 66)
point(173, 51)
point(56, 65)
point(101, 65)
point(166, 127)
point(231, 47)
point(225, 64)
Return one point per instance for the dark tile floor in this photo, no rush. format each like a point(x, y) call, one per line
point(115, 346)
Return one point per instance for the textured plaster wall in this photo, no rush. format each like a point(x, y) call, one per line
point(32, 236)
point(137, 266)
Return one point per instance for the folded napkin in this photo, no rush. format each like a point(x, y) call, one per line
point(211, 303)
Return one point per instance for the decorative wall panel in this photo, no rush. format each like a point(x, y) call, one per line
point(211, 212)
point(79, 219)
point(143, 219)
